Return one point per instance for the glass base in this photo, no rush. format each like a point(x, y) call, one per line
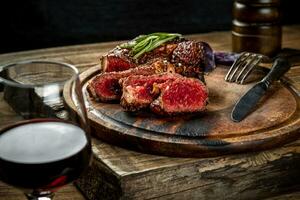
point(36, 195)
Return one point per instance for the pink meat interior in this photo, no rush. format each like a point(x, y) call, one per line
point(107, 87)
point(117, 64)
point(184, 97)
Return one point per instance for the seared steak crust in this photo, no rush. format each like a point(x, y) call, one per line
point(120, 59)
point(187, 53)
point(164, 51)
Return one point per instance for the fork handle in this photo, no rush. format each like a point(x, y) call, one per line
point(278, 69)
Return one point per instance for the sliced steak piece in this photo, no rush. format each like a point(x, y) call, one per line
point(184, 95)
point(117, 60)
point(105, 87)
point(138, 91)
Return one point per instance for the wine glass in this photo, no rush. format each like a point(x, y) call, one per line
point(48, 145)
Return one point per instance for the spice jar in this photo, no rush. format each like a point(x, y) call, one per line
point(256, 26)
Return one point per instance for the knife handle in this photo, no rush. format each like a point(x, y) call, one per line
point(278, 69)
point(1, 86)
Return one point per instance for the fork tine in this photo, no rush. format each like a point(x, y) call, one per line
point(242, 67)
point(235, 66)
point(244, 72)
point(251, 58)
point(254, 63)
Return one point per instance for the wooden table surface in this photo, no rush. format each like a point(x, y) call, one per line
point(85, 56)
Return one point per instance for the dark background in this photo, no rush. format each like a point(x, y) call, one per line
point(32, 24)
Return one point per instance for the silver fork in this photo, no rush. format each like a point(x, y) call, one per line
point(243, 66)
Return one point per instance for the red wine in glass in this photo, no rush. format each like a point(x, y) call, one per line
point(43, 154)
point(46, 145)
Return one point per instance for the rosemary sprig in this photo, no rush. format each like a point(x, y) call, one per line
point(146, 43)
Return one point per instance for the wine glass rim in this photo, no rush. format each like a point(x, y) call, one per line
point(23, 85)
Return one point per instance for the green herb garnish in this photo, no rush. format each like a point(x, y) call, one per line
point(146, 43)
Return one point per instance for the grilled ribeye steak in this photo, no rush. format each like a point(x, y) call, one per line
point(191, 58)
point(153, 71)
point(139, 91)
point(106, 86)
point(183, 95)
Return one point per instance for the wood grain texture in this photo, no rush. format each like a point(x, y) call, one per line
point(142, 176)
point(119, 173)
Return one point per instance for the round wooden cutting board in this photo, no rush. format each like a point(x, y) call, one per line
point(274, 121)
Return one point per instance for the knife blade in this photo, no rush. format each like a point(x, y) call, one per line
point(247, 103)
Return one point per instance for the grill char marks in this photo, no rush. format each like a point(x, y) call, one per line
point(188, 53)
point(192, 58)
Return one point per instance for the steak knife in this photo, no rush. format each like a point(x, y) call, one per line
point(246, 104)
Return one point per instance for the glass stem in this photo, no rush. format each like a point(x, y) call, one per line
point(36, 195)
